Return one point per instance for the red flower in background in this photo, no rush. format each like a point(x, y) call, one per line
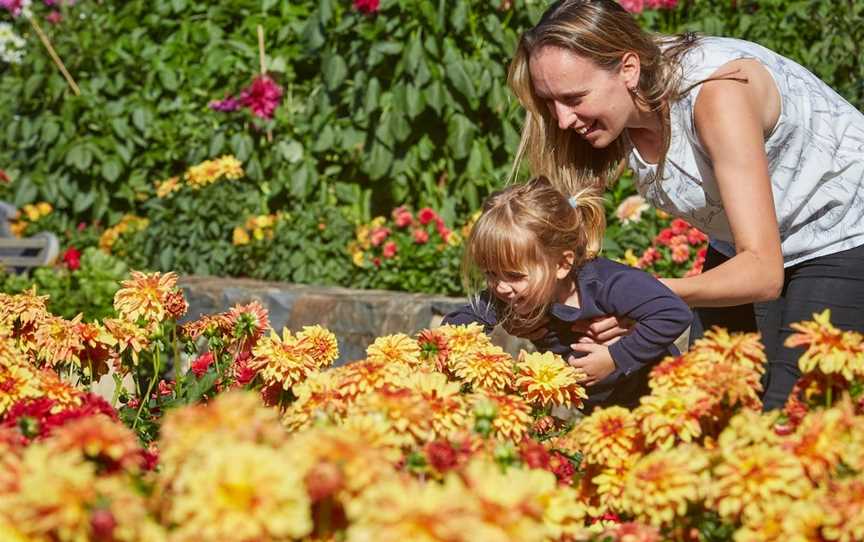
point(367, 6)
point(72, 258)
point(4, 177)
point(389, 249)
point(262, 97)
point(402, 217)
point(54, 17)
point(426, 215)
point(201, 364)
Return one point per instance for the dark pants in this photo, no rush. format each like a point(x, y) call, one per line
point(835, 281)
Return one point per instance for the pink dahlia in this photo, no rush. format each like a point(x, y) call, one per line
point(367, 6)
point(262, 97)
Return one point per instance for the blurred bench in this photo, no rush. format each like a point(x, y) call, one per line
point(20, 254)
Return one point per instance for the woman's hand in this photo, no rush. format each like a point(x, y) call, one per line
point(597, 365)
point(532, 334)
point(603, 329)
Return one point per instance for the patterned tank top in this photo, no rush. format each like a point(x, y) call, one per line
point(815, 159)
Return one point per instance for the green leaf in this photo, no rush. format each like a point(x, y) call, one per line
point(459, 16)
point(80, 157)
point(83, 200)
point(335, 70)
point(373, 93)
point(168, 78)
point(111, 169)
point(50, 131)
point(141, 118)
point(398, 126)
point(459, 77)
point(291, 151)
point(414, 101)
point(460, 131)
point(241, 146)
point(435, 96)
point(380, 159)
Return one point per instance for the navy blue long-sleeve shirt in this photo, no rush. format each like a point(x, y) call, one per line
point(606, 287)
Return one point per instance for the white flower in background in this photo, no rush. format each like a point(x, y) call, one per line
point(11, 45)
point(630, 210)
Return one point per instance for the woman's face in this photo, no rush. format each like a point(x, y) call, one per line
point(581, 96)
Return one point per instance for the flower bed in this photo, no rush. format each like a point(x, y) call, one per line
point(250, 435)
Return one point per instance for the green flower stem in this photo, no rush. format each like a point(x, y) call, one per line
point(157, 365)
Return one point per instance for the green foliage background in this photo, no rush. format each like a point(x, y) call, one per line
point(405, 106)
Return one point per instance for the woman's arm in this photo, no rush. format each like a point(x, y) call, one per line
point(732, 120)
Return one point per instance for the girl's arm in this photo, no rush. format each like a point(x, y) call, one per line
point(732, 120)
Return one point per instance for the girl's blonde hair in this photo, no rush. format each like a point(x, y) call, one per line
point(524, 229)
point(603, 32)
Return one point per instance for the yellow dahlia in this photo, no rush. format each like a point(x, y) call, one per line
point(408, 413)
point(396, 348)
point(668, 419)
point(822, 440)
point(749, 481)
point(448, 406)
point(211, 324)
point(609, 485)
point(799, 521)
point(547, 380)
point(125, 335)
point(144, 296)
point(660, 486)
point(238, 491)
point(674, 373)
point(282, 361)
point(843, 506)
point(167, 187)
point(321, 343)
point(486, 368)
point(718, 344)
point(463, 339)
point(319, 398)
point(58, 341)
point(829, 349)
point(750, 427)
point(512, 415)
point(210, 171)
point(17, 382)
point(564, 513)
point(25, 308)
point(365, 376)
point(608, 437)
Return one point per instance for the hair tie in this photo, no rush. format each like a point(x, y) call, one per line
point(574, 202)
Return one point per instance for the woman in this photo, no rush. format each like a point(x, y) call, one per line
point(743, 143)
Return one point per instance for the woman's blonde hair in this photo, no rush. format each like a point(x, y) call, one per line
point(524, 229)
point(603, 32)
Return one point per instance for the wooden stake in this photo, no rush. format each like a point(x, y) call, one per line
point(56, 58)
point(263, 68)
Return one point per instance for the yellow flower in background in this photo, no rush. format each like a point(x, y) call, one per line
point(144, 295)
point(238, 491)
point(630, 258)
point(842, 505)
point(547, 380)
point(395, 348)
point(240, 236)
point(409, 415)
point(448, 406)
point(44, 208)
point(663, 215)
point(661, 485)
point(210, 171)
point(129, 223)
point(631, 209)
point(829, 349)
point(357, 256)
point(321, 344)
point(750, 482)
point(487, 368)
point(31, 212)
point(167, 187)
point(282, 360)
point(609, 436)
point(25, 308)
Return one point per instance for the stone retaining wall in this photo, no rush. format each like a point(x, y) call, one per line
point(357, 317)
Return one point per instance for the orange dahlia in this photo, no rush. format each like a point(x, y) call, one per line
point(408, 414)
point(464, 338)
point(25, 308)
point(17, 382)
point(144, 296)
point(247, 322)
point(319, 397)
point(750, 427)
point(609, 485)
point(743, 348)
point(512, 414)
point(434, 349)
point(98, 438)
point(365, 376)
point(448, 406)
point(843, 505)
point(282, 361)
point(660, 486)
point(125, 335)
point(823, 438)
point(486, 368)
point(58, 341)
point(547, 380)
point(608, 437)
point(674, 373)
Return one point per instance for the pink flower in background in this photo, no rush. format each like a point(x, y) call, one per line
point(15, 7)
point(402, 217)
point(421, 237)
point(262, 97)
point(226, 106)
point(54, 17)
point(389, 249)
point(661, 4)
point(72, 258)
point(378, 236)
point(367, 6)
point(633, 6)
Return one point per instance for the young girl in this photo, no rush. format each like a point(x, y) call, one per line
point(537, 250)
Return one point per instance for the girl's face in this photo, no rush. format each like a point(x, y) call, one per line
point(583, 97)
point(511, 288)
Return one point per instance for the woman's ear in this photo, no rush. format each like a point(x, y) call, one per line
point(630, 69)
point(565, 264)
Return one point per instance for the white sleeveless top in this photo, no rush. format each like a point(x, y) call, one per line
point(815, 159)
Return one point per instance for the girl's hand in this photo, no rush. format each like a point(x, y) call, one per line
point(604, 329)
point(597, 365)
